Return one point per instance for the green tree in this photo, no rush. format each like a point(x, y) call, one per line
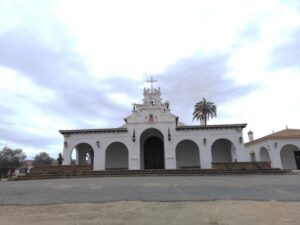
point(60, 159)
point(204, 110)
point(42, 159)
point(11, 159)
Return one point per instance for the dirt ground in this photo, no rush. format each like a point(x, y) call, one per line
point(137, 213)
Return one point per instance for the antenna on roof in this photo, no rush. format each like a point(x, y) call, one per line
point(286, 126)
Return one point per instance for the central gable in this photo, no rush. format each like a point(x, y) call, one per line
point(152, 110)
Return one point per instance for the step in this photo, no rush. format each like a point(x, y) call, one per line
point(122, 173)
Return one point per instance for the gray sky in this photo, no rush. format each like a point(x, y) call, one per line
point(81, 64)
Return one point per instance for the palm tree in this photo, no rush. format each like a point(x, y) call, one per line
point(204, 110)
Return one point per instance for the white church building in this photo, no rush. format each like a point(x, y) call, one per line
point(154, 138)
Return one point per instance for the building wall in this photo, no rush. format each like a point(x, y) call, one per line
point(134, 151)
point(274, 148)
point(153, 115)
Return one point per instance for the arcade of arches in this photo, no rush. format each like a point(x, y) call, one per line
point(281, 149)
point(153, 155)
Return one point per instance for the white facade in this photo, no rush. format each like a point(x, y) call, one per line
point(282, 149)
point(153, 138)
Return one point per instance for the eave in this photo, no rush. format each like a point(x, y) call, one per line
point(286, 134)
point(90, 131)
point(212, 127)
point(271, 138)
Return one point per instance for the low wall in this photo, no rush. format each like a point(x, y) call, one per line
point(61, 169)
point(71, 169)
point(241, 166)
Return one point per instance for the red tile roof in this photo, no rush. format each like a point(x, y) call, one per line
point(283, 134)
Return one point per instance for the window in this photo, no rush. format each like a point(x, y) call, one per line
point(252, 157)
point(151, 119)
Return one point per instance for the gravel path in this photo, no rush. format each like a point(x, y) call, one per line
point(171, 213)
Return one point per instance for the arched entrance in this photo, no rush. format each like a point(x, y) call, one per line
point(264, 155)
point(82, 154)
point(116, 156)
point(290, 157)
point(187, 155)
point(153, 153)
point(222, 151)
point(152, 149)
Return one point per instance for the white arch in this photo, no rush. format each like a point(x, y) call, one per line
point(116, 156)
point(288, 157)
point(223, 151)
point(264, 154)
point(145, 135)
point(187, 154)
point(83, 150)
point(149, 132)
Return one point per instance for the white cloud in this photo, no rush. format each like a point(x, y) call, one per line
point(270, 108)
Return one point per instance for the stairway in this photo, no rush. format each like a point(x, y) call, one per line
point(129, 173)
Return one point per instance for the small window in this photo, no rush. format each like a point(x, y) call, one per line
point(151, 119)
point(252, 156)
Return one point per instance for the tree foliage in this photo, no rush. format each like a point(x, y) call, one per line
point(42, 159)
point(11, 159)
point(204, 110)
point(60, 159)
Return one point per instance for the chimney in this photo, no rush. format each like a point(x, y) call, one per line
point(250, 136)
point(202, 123)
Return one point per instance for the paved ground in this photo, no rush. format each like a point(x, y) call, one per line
point(189, 188)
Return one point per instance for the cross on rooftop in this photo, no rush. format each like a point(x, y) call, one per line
point(151, 81)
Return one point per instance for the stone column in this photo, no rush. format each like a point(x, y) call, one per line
point(240, 152)
point(275, 158)
point(66, 154)
point(205, 155)
point(134, 155)
point(99, 156)
point(66, 157)
point(169, 152)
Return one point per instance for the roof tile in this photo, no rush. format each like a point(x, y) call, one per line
point(283, 134)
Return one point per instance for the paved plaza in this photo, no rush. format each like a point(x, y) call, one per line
point(181, 188)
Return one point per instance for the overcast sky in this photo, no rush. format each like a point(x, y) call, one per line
point(81, 64)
